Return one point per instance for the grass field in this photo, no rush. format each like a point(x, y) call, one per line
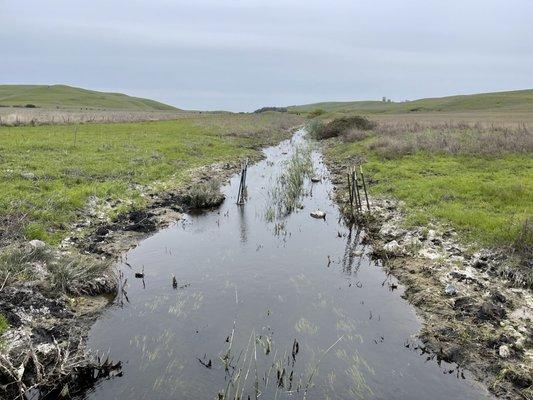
point(68, 97)
point(48, 173)
point(517, 102)
point(476, 177)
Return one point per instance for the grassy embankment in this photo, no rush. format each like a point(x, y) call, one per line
point(471, 169)
point(48, 173)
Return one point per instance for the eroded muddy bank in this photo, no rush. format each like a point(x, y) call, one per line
point(471, 315)
point(44, 351)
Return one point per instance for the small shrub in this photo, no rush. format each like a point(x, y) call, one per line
point(340, 126)
point(315, 128)
point(69, 274)
point(204, 195)
point(315, 113)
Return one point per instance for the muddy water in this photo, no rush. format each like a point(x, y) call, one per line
point(290, 310)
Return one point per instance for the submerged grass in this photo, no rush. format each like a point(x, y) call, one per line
point(286, 195)
point(253, 371)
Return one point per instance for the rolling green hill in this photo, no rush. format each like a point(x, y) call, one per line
point(520, 100)
point(68, 97)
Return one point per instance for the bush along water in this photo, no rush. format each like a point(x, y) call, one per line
point(338, 127)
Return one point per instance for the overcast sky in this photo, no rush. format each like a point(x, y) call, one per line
point(244, 54)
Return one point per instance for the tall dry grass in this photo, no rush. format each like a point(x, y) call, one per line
point(11, 116)
point(398, 138)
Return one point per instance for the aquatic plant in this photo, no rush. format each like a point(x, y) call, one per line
point(286, 195)
point(245, 379)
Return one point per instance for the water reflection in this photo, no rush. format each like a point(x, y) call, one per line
point(241, 211)
point(354, 251)
point(286, 309)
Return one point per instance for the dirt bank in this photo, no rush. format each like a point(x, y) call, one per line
point(471, 315)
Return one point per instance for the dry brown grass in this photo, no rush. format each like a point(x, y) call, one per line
point(12, 116)
point(398, 138)
point(247, 125)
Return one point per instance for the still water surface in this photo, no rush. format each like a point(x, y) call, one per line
point(294, 310)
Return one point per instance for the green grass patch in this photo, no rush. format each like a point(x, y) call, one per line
point(4, 324)
point(488, 199)
point(48, 173)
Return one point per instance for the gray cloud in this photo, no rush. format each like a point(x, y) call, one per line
point(241, 55)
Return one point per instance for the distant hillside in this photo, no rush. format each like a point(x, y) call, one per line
point(520, 100)
point(62, 96)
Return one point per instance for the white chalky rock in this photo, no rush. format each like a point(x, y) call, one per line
point(429, 254)
point(36, 244)
point(391, 232)
point(318, 214)
point(504, 351)
point(393, 248)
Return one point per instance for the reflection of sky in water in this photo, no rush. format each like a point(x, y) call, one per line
point(253, 296)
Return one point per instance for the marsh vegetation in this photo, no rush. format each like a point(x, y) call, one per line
point(286, 194)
